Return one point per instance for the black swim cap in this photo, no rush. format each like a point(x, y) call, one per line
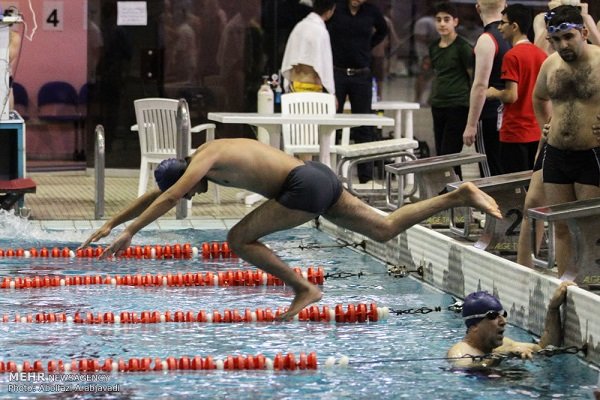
point(168, 172)
point(479, 303)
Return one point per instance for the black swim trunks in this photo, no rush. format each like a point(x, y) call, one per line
point(571, 166)
point(312, 187)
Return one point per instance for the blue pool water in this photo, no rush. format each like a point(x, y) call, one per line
point(399, 358)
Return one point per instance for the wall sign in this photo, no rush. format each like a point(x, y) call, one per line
point(132, 13)
point(52, 19)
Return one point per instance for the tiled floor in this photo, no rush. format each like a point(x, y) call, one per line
point(69, 196)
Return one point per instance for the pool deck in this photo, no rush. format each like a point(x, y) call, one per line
point(65, 200)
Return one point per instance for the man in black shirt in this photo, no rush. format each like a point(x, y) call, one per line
point(485, 116)
point(355, 28)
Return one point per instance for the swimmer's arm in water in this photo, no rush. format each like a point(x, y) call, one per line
point(464, 357)
point(134, 209)
point(508, 95)
point(522, 349)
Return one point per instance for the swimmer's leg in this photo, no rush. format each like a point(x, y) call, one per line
point(534, 198)
point(351, 213)
point(244, 240)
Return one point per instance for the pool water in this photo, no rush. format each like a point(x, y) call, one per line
point(402, 357)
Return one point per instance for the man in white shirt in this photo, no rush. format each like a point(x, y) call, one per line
point(307, 64)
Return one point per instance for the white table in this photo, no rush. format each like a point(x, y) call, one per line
point(400, 109)
point(327, 125)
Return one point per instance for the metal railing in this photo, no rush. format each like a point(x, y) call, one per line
point(99, 164)
point(183, 145)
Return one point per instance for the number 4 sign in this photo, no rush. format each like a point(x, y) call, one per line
point(53, 16)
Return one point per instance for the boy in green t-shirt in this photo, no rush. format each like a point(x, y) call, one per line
point(453, 60)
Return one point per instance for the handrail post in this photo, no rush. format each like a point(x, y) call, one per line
point(182, 147)
point(99, 173)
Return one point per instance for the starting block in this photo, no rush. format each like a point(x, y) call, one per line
point(509, 191)
point(582, 218)
point(14, 190)
point(352, 154)
point(432, 174)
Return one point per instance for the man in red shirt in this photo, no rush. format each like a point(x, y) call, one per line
point(520, 132)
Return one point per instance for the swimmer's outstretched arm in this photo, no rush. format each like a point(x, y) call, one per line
point(553, 332)
point(134, 209)
point(521, 349)
point(462, 356)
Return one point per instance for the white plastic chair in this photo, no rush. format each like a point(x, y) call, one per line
point(304, 138)
point(156, 127)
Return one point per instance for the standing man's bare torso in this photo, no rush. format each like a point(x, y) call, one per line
point(574, 89)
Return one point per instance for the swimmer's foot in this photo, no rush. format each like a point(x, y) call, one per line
point(303, 298)
point(474, 197)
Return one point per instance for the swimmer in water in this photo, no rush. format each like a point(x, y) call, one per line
point(485, 319)
point(296, 192)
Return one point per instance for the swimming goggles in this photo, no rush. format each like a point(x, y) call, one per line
point(491, 315)
point(565, 26)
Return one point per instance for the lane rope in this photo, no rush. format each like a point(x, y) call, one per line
point(362, 244)
point(207, 250)
point(352, 313)
point(186, 250)
point(315, 275)
point(279, 362)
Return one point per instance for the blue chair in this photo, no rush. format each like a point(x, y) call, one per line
point(83, 98)
point(58, 102)
point(21, 100)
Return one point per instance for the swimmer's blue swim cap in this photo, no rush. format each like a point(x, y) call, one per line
point(168, 172)
point(479, 303)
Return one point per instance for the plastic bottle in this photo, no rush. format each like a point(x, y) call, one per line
point(265, 104)
point(265, 98)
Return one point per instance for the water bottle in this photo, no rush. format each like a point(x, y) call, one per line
point(265, 98)
point(265, 106)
